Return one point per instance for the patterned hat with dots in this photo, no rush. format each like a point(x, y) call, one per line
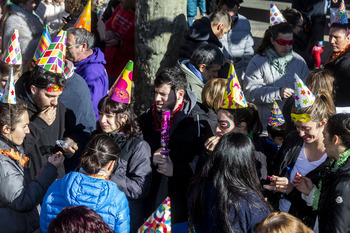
point(84, 20)
point(275, 15)
point(276, 117)
point(9, 95)
point(340, 16)
point(303, 96)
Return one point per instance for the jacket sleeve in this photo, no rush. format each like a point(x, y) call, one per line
point(36, 126)
point(135, 182)
point(16, 193)
point(122, 222)
point(255, 84)
point(339, 209)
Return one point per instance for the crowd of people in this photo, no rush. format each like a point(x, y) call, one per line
point(236, 140)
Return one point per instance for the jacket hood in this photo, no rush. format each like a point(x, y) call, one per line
point(97, 57)
point(80, 189)
point(201, 31)
point(190, 101)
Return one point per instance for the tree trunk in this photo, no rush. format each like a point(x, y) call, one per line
point(159, 29)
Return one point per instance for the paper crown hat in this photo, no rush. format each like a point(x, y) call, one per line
point(13, 53)
point(84, 20)
point(234, 97)
point(44, 43)
point(121, 89)
point(303, 96)
point(54, 57)
point(276, 117)
point(9, 95)
point(160, 220)
point(275, 15)
point(339, 16)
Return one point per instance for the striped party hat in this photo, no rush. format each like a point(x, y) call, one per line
point(276, 117)
point(9, 95)
point(54, 57)
point(275, 15)
point(303, 96)
point(234, 97)
point(13, 53)
point(340, 15)
point(159, 221)
point(84, 20)
point(44, 43)
point(121, 89)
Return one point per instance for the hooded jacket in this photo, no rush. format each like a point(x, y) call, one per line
point(100, 195)
point(94, 73)
point(191, 128)
point(19, 193)
point(198, 34)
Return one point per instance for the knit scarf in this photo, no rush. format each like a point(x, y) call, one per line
point(338, 54)
point(279, 63)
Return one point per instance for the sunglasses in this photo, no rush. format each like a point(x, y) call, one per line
point(284, 42)
point(53, 88)
point(224, 124)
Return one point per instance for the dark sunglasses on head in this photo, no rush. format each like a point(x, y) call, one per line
point(283, 42)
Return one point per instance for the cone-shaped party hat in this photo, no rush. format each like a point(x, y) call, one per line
point(340, 16)
point(234, 97)
point(9, 95)
point(54, 57)
point(84, 20)
point(276, 117)
point(121, 89)
point(303, 96)
point(275, 15)
point(13, 53)
point(159, 221)
point(44, 43)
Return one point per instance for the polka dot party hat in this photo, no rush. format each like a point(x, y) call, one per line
point(275, 15)
point(84, 20)
point(121, 89)
point(303, 96)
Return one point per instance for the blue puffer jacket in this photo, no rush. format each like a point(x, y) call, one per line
point(75, 189)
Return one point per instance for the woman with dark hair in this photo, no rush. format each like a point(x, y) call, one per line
point(90, 186)
point(133, 172)
point(329, 194)
point(19, 193)
point(225, 195)
point(20, 15)
point(78, 219)
point(269, 75)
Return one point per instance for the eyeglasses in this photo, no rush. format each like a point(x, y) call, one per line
point(53, 88)
point(283, 42)
point(71, 46)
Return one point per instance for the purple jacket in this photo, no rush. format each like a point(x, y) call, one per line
point(94, 73)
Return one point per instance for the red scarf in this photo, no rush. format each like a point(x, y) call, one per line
point(157, 126)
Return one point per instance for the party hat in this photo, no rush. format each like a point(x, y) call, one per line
point(339, 15)
point(121, 89)
point(276, 117)
point(84, 20)
point(54, 57)
point(234, 97)
point(159, 221)
point(9, 95)
point(275, 15)
point(13, 53)
point(303, 96)
point(44, 43)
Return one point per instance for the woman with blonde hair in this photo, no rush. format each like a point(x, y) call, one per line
point(278, 222)
point(213, 93)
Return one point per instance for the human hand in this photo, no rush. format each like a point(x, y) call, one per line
point(286, 92)
point(210, 144)
point(166, 168)
point(57, 159)
point(72, 146)
point(48, 115)
point(282, 184)
point(303, 184)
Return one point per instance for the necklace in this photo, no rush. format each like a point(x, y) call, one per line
point(157, 126)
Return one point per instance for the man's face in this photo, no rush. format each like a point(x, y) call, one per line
point(164, 97)
point(338, 39)
point(74, 50)
point(282, 50)
point(222, 31)
point(44, 99)
point(210, 73)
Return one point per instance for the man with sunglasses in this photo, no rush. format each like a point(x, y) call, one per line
point(40, 90)
point(270, 74)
